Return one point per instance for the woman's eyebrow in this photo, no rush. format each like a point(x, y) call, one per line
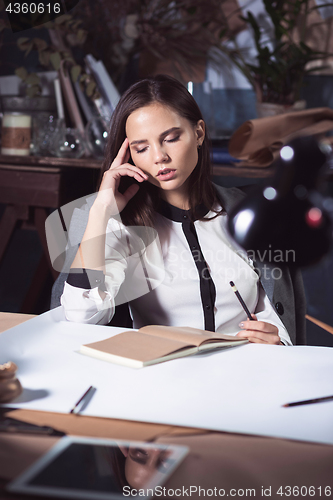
point(163, 134)
point(167, 132)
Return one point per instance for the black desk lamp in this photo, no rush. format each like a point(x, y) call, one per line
point(287, 220)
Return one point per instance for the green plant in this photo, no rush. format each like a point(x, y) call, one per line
point(56, 43)
point(282, 62)
point(31, 80)
point(180, 31)
point(65, 32)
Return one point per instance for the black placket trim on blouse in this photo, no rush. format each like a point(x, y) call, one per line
point(207, 287)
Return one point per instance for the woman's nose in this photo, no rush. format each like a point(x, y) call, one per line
point(161, 155)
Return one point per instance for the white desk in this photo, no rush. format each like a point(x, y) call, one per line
point(235, 390)
point(216, 459)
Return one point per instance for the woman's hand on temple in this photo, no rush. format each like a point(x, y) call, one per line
point(109, 202)
point(259, 332)
point(108, 196)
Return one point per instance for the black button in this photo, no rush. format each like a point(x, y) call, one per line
point(184, 216)
point(208, 307)
point(279, 307)
point(194, 247)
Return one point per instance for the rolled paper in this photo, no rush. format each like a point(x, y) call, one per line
point(257, 142)
point(10, 386)
point(16, 134)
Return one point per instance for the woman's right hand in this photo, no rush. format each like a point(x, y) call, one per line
point(109, 198)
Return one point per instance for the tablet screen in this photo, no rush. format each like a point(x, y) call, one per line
point(99, 469)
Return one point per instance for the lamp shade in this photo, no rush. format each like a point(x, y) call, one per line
point(280, 222)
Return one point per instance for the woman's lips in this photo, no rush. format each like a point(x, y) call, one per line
point(166, 174)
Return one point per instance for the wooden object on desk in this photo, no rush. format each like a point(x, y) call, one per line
point(10, 386)
point(30, 187)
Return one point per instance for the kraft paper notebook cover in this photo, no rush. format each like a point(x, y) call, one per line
point(155, 344)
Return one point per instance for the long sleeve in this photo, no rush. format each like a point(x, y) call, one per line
point(81, 299)
point(265, 312)
point(86, 305)
point(133, 267)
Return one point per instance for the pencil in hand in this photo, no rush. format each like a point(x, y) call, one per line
point(239, 297)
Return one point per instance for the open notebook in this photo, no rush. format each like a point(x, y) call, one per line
point(155, 344)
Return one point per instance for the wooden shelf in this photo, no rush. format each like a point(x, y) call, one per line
point(251, 172)
point(50, 161)
point(29, 162)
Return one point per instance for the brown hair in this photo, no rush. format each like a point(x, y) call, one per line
point(169, 92)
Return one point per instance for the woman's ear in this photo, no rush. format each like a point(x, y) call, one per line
point(200, 129)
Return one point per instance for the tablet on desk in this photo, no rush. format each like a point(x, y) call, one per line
point(100, 469)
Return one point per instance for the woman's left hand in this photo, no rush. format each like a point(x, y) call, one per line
point(259, 332)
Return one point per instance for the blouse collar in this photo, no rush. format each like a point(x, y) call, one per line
point(179, 215)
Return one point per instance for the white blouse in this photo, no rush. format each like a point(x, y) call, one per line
point(176, 274)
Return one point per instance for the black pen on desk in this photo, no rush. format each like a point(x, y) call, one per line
point(82, 398)
point(309, 401)
point(239, 297)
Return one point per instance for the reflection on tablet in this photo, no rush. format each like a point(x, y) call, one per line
point(99, 469)
point(141, 464)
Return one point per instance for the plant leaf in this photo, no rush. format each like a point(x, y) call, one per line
point(29, 49)
point(75, 72)
point(90, 88)
point(23, 43)
point(22, 39)
point(55, 60)
point(81, 35)
point(63, 19)
point(69, 59)
point(40, 43)
point(44, 57)
point(33, 91)
point(32, 79)
point(21, 73)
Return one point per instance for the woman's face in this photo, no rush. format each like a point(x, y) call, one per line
point(143, 463)
point(165, 146)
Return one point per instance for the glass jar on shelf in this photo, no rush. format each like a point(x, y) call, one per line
point(96, 135)
point(67, 142)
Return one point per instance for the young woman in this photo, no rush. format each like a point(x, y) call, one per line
point(161, 243)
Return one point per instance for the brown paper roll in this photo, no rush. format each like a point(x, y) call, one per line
point(258, 142)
